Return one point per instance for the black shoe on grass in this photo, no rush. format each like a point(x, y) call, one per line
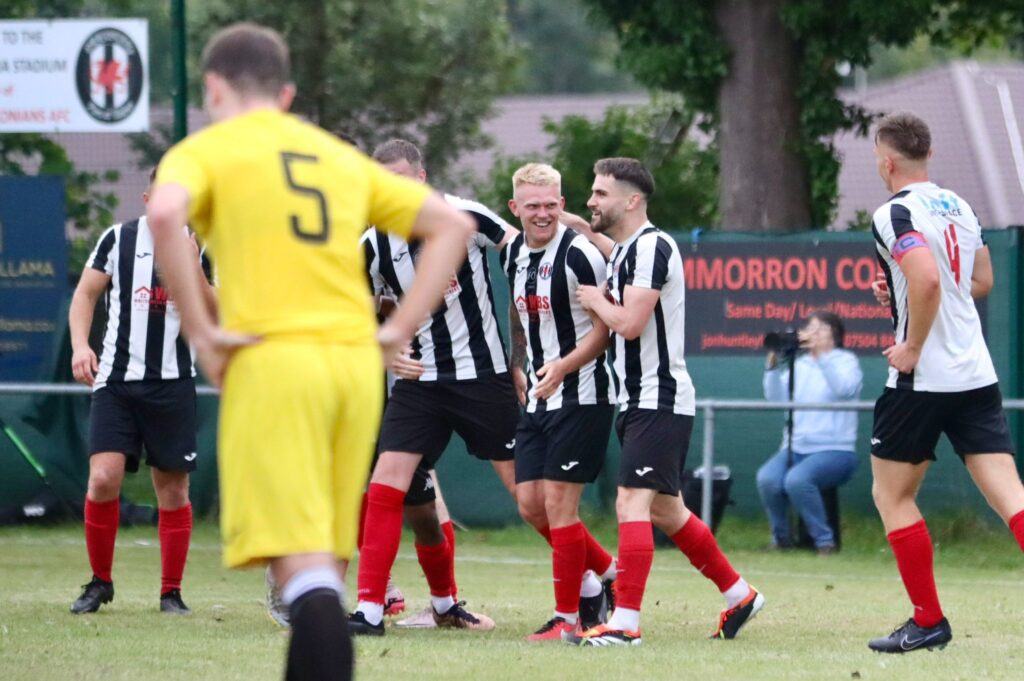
point(94, 594)
point(358, 626)
point(731, 620)
point(592, 611)
point(911, 636)
point(171, 603)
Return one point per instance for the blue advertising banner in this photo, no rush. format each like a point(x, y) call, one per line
point(33, 272)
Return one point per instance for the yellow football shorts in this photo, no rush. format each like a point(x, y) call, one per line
point(298, 422)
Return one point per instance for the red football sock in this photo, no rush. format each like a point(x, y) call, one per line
point(1017, 527)
point(568, 560)
point(362, 520)
point(448, 527)
point(544, 532)
point(598, 559)
point(436, 563)
point(175, 532)
point(912, 547)
point(101, 519)
point(380, 545)
point(697, 543)
point(636, 553)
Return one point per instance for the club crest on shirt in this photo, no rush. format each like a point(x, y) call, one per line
point(545, 271)
point(453, 290)
point(146, 299)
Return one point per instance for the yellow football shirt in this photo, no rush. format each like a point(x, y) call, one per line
point(281, 205)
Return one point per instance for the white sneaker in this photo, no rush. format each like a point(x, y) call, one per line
point(424, 619)
point(276, 608)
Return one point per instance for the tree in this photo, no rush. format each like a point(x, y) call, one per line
point(685, 174)
point(420, 69)
point(545, 29)
point(765, 74)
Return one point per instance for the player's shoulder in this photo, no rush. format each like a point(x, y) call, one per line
point(369, 235)
point(581, 244)
point(652, 237)
point(471, 206)
point(883, 214)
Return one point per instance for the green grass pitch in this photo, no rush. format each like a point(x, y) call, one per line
point(820, 612)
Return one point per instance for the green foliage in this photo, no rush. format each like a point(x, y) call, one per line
point(421, 69)
point(544, 29)
point(674, 45)
point(686, 175)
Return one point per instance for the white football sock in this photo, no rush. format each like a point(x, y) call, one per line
point(612, 571)
point(310, 579)
point(736, 593)
point(591, 585)
point(570, 617)
point(442, 604)
point(373, 612)
point(625, 619)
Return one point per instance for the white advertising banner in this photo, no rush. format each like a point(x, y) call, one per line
point(74, 75)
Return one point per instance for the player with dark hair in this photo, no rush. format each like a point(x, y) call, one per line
point(645, 312)
point(281, 204)
point(144, 398)
point(934, 263)
point(452, 378)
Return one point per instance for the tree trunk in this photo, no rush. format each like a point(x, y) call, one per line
point(764, 185)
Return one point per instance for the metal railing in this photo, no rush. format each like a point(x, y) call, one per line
point(708, 409)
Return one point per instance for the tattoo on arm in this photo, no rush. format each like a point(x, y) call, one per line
point(518, 336)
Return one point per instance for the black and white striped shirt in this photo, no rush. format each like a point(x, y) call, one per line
point(543, 283)
point(143, 339)
point(461, 340)
point(650, 369)
point(955, 357)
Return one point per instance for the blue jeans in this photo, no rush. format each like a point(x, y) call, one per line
point(801, 485)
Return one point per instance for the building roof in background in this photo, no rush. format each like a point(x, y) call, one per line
point(976, 116)
point(517, 127)
point(100, 152)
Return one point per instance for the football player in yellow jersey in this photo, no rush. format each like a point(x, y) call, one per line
point(281, 205)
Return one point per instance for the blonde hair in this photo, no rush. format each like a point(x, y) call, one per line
point(536, 174)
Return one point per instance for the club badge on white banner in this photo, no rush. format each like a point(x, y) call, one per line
point(74, 75)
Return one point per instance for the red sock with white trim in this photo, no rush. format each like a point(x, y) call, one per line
point(568, 557)
point(448, 527)
point(1017, 527)
point(912, 547)
point(598, 558)
point(636, 553)
point(101, 520)
point(384, 515)
point(698, 544)
point(175, 530)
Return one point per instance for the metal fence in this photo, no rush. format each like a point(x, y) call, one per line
point(707, 407)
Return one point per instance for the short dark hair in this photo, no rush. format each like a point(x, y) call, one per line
point(628, 170)
point(397, 150)
point(152, 174)
point(906, 133)
point(834, 323)
point(253, 59)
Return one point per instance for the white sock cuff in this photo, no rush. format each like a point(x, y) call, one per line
point(310, 579)
point(590, 586)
